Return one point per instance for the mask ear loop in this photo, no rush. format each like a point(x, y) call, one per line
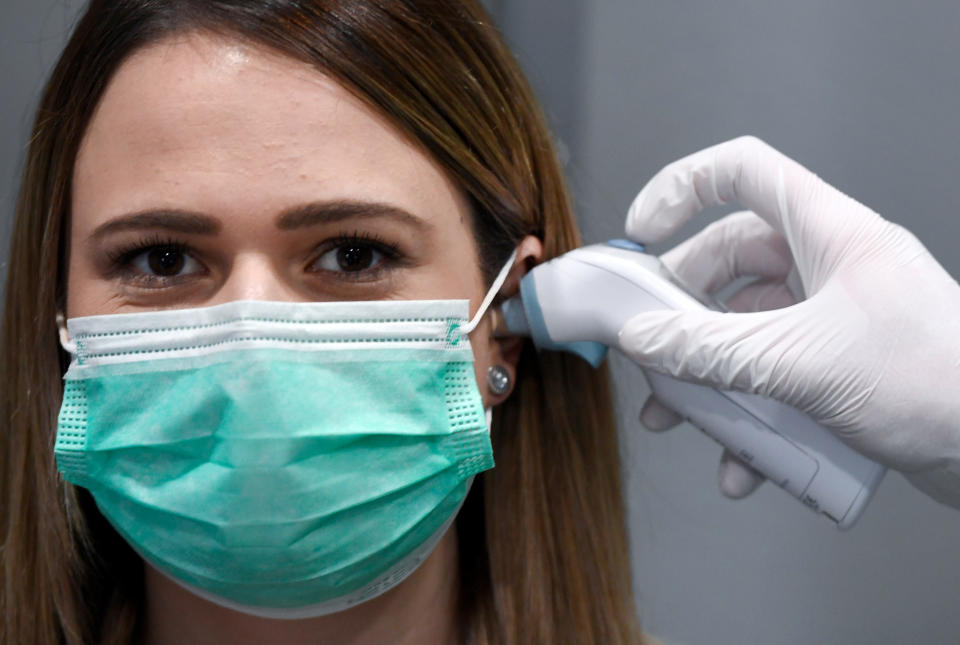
point(491, 294)
point(65, 341)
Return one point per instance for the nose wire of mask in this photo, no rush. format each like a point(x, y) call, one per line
point(231, 446)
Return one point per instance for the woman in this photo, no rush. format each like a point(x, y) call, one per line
point(189, 155)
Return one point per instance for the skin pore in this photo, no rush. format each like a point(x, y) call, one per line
point(215, 170)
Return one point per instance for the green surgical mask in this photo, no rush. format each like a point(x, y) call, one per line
point(282, 459)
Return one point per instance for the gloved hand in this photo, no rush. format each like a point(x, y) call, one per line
point(872, 353)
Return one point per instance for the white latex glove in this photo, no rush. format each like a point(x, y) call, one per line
point(873, 353)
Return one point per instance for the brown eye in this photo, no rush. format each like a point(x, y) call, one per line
point(165, 262)
point(350, 257)
point(354, 257)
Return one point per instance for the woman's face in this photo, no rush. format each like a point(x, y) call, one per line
point(215, 171)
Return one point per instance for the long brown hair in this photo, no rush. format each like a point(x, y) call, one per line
point(543, 549)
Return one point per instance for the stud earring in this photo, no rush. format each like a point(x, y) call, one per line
point(498, 378)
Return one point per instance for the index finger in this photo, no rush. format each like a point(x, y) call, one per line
point(744, 170)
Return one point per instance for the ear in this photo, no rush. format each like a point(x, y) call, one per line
point(504, 350)
point(62, 329)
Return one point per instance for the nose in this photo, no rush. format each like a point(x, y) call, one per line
point(254, 277)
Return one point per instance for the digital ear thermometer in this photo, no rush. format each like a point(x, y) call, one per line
point(580, 301)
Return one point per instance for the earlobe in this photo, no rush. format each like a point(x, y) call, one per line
point(502, 373)
point(65, 341)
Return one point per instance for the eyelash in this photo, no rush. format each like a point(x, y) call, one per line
point(126, 253)
point(121, 259)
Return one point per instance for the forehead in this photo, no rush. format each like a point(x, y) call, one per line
point(222, 123)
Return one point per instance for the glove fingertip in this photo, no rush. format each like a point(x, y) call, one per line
point(641, 225)
point(736, 479)
point(657, 417)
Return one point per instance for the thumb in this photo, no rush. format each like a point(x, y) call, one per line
point(736, 478)
point(729, 351)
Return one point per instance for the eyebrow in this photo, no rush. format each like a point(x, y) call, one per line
point(174, 220)
point(303, 216)
point(337, 211)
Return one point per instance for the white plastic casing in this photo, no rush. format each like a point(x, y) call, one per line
point(589, 293)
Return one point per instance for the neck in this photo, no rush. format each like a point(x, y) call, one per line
point(421, 610)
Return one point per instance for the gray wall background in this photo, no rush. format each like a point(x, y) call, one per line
point(864, 92)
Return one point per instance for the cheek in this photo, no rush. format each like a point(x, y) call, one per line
point(86, 294)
